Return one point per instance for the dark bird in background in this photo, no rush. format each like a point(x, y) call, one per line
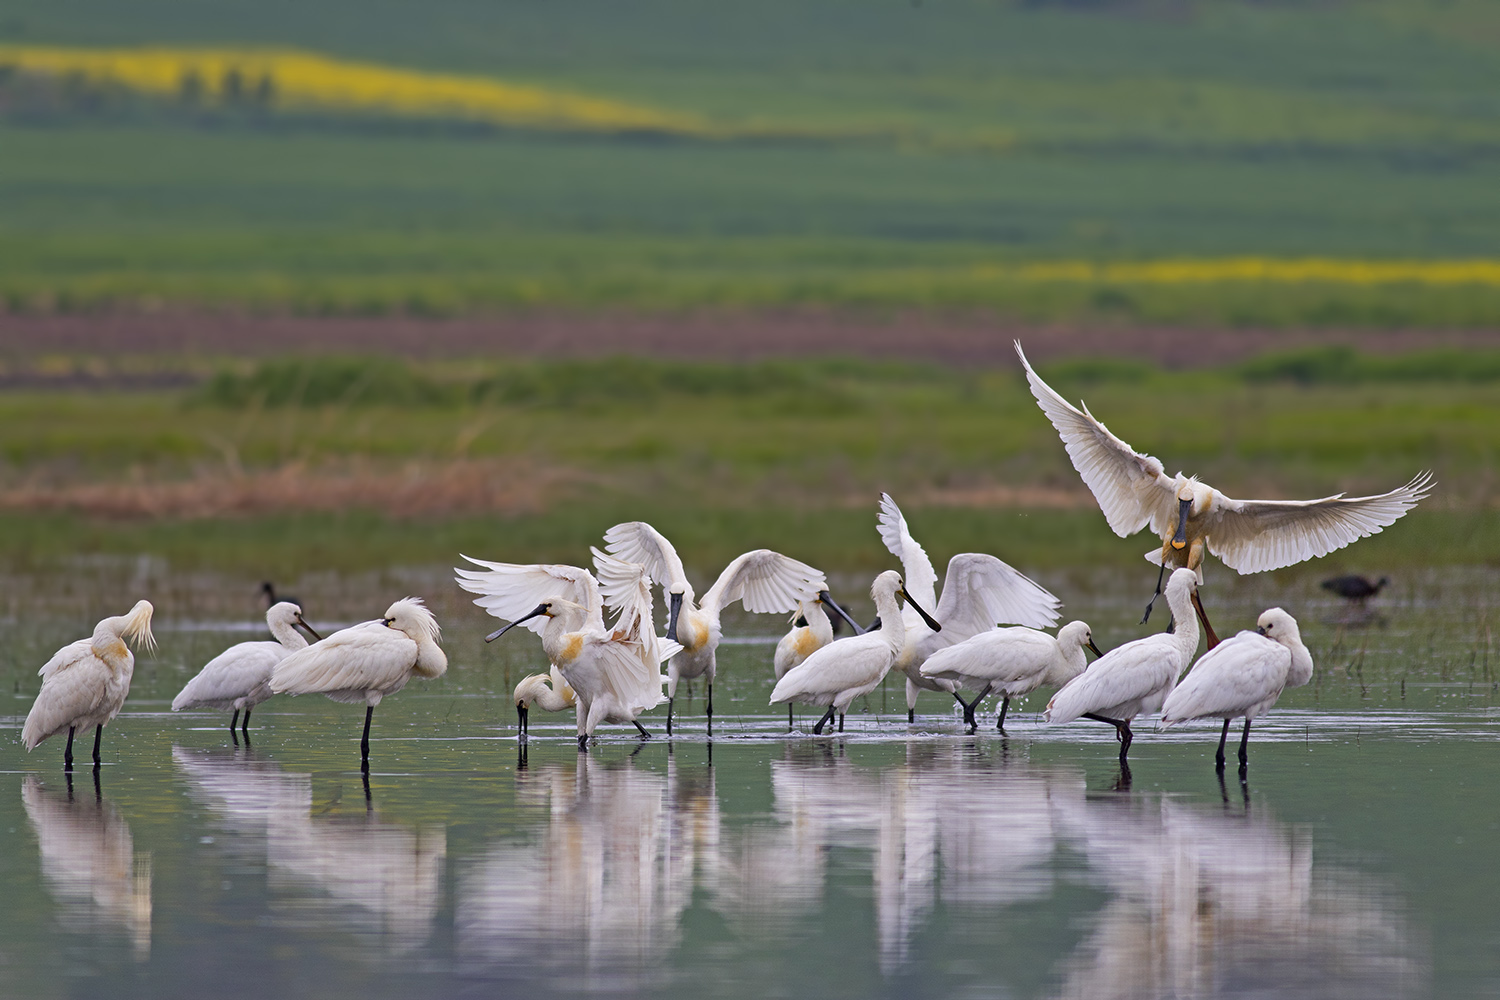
point(268, 591)
point(1355, 587)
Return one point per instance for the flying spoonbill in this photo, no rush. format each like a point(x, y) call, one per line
point(1013, 661)
point(85, 682)
point(765, 582)
point(1136, 677)
point(615, 673)
point(548, 691)
point(366, 662)
point(240, 677)
point(842, 671)
point(1249, 536)
point(1242, 676)
point(979, 591)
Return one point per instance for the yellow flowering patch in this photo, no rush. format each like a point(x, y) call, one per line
point(1269, 270)
point(293, 80)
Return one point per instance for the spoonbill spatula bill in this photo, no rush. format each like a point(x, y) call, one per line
point(979, 592)
point(240, 677)
point(550, 692)
point(85, 683)
point(367, 662)
point(1242, 677)
point(765, 582)
point(1250, 536)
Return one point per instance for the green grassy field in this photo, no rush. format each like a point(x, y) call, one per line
point(983, 134)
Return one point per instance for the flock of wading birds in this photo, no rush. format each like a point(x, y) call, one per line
point(611, 673)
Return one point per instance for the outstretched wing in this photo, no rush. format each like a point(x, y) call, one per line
point(1131, 488)
point(638, 542)
point(1256, 535)
point(765, 582)
point(981, 592)
point(627, 587)
point(513, 590)
point(917, 574)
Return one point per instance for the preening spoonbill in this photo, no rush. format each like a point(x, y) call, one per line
point(1242, 676)
point(1013, 661)
point(549, 692)
point(842, 671)
point(615, 673)
point(979, 592)
point(85, 682)
point(1249, 536)
point(240, 677)
point(366, 662)
point(1136, 677)
point(765, 582)
point(1355, 588)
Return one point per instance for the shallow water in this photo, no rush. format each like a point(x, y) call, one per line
point(1360, 858)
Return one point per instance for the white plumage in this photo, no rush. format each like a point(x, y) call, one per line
point(1135, 678)
point(765, 582)
point(240, 677)
point(1011, 662)
point(85, 682)
point(801, 642)
point(549, 692)
point(979, 592)
point(1242, 677)
point(366, 662)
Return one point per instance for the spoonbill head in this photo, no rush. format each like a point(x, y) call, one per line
point(85, 683)
point(549, 691)
point(240, 677)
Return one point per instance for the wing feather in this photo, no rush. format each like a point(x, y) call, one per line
point(981, 591)
point(1252, 536)
point(364, 657)
point(75, 687)
point(917, 574)
point(231, 675)
point(1131, 488)
point(629, 672)
point(638, 542)
point(1240, 672)
point(512, 590)
point(766, 582)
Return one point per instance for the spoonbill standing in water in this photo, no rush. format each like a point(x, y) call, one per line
point(842, 671)
point(1013, 661)
point(85, 682)
point(1134, 678)
point(549, 692)
point(1242, 676)
point(366, 662)
point(813, 633)
point(765, 582)
point(240, 677)
point(1250, 536)
point(979, 591)
point(615, 673)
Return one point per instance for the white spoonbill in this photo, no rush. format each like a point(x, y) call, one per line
point(1242, 676)
point(240, 677)
point(814, 632)
point(1249, 536)
point(1136, 677)
point(765, 582)
point(1013, 661)
point(366, 662)
point(85, 682)
point(842, 671)
point(549, 692)
point(979, 591)
point(615, 673)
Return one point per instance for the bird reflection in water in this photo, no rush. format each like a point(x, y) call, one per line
point(382, 881)
point(89, 863)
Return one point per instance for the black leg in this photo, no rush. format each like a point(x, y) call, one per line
point(68, 752)
point(708, 707)
point(841, 722)
point(1159, 577)
point(1126, 738)
point(245, 724)
point(369, 801)
point(364, 743)
point(234, 720)
point(1122, 783)
point(970, 706)
point(1219, 757)
point(583, 742)
point(521, 757)
point(644, 735)
point(911, 715)
point(1244, 745)
point(670, 702)
point(99, 792)
point(818, 729)
point(98, 732)
point(1004, 707)
point(789, 721)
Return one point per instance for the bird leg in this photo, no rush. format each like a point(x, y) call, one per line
point(1159, 577)
point(1244, 745)
point(245, 724)
point(234, 720)
point(644, 735)
point(521, 757)
point(1219, 757)
point(1122, 731)
point(583, 742)
point(911, 713)
point(1208, 630)
point(364, 743)
point(709, 706)
point(99, 732)
point(1122, 783)
point(790, 722)
point(818, 729)
point(670, 702)
point(68, 752)
point(970, 706)
point(1004, 706)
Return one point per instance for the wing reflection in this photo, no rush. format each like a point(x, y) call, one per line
point(90, 865)
point(382, 880)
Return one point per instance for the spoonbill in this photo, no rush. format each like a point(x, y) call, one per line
point(614, 672)
point(842, 671)
point(765, 582)
point(85, 682)
point(1355, 588)
point(1137, 676)
point(1242, 676)
point(366, 662)
point(813, 633)
point(1249, 536)
point(978, 591)
point(549, 692)
point(1013, 661)
point(240, 677)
